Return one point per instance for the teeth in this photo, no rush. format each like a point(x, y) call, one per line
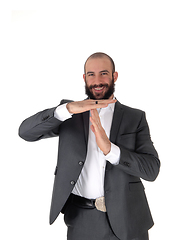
point(99, 88)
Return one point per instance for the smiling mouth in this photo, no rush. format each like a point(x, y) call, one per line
point(99, 89)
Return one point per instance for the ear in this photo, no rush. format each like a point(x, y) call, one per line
point(115, 74)
point(84, 77)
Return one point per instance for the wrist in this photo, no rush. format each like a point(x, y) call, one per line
point(114, 155)
point(61, 113)
point(68, 106)
point(108, 149)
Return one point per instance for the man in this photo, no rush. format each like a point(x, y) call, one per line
point(104, 150)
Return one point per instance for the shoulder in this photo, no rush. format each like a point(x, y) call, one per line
point(131, 115)
point(129, 110)
point(63, 101)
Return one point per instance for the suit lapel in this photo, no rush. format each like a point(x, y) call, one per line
point(86, 125)
point(117, 117)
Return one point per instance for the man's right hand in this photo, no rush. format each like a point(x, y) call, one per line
point(86, 105)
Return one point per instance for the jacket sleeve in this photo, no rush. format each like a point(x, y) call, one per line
point(41, 125)
point(144, 161)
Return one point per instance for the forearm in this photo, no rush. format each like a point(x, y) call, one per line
point(40, 125)
point(143, 161)
point(145, 166)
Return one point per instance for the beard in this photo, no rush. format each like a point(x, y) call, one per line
point(109, 91)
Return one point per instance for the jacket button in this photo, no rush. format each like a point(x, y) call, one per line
point(81, 163)
point(127, 164)
point(72, 182)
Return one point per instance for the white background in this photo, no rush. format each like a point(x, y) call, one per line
point(43, 49)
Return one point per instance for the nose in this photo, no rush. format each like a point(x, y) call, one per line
point(97, 80)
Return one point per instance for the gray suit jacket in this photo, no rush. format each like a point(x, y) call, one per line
point(126, 203)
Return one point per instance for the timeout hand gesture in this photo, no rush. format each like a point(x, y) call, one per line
point(86, 105)
point(82, 106)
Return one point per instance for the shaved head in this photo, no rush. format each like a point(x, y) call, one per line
point(100, 55)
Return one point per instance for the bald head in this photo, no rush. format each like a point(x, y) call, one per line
point(100, 55)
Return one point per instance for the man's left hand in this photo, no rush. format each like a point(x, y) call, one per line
point(101, 138)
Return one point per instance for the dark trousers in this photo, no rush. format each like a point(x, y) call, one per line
point(89, 224)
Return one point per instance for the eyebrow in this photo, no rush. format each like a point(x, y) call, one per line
point(89, 72)
point(104, 71)
point(99, 72)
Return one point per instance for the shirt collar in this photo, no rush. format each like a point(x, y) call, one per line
point(111, 107)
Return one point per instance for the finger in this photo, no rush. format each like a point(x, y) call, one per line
point(95, 119)
point(94, 112)
point(98, 105)
point(101, 100)
point(94, 126)
point(95, 106)
point(95, 116)
point(91, 104)
point(106, 100)
point(102, 103)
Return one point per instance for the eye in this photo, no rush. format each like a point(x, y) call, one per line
point(104, 73)
point(90, 74)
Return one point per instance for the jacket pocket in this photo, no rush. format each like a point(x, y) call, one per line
point(136, 186)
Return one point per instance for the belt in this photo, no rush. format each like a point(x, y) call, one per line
point(98, 203)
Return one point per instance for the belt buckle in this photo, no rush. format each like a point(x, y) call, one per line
point(100, 204)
